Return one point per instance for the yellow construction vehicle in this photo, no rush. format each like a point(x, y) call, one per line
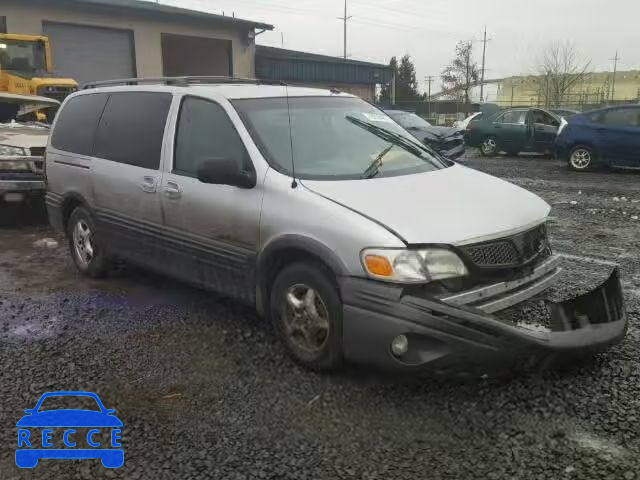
point(26, 68)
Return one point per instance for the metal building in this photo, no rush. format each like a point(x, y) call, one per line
point(106, 39)
point(301, 68)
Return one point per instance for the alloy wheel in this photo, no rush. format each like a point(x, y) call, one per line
point(489, 146)
point(580, 158)
point(306, 318)
point(84, 249)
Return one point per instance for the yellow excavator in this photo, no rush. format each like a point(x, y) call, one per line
point(26, 68)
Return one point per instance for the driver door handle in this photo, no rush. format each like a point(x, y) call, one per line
point(172, 190)
point(149, 184)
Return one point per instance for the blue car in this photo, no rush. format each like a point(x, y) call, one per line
point(607, 137)
point(59, 430)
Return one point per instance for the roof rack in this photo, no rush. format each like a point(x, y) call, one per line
point(180, 81)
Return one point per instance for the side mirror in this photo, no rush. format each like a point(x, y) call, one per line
point(225, 171)
point(29, 410)
point(109, 411)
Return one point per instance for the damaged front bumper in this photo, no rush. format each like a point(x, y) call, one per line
point(466, 330)
point(15, 185)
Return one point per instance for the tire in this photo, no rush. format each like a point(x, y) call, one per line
point(581, 158)
point(86, 251)
point(489, 146)
point(309, 325)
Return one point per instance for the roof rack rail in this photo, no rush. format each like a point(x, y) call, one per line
point(180, 81)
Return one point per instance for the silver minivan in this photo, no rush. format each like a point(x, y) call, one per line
point(357, 241)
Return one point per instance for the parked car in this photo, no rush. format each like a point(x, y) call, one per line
point(515, 130)
point(606, 137)
point(461, 125)
point(319, 211)
point(444, 140)
point(22, 147)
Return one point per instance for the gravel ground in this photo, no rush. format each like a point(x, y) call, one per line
point(204, 391)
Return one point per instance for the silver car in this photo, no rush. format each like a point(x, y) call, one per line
point(317, 209)
point(22, 147)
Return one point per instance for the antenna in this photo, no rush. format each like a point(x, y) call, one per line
point(294, 184)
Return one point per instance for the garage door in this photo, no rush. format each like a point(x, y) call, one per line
point(87, 53)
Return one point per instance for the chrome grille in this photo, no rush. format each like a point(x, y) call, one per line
point(510, 252)
point(493, 254)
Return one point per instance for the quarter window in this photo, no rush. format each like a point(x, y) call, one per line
point(132, 127)
point(75, 128)
point(205, 132)
point(514, 116)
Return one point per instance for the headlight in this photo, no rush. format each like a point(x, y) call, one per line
point(412, 266)
point(18, 166)
point(12, 151)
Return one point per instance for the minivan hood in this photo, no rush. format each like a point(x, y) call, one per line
point(455, 205)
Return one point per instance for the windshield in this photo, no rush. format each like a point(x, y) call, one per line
point(333, 138)
point(409, 120)
point(21, 56)
point(69, 402)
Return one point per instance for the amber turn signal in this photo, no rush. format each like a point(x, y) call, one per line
point(378, 265)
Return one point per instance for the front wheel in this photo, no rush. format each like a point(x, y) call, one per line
point(306, 311)
point(581, 158)
point(489, 147)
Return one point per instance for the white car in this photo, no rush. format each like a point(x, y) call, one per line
point(22, 146)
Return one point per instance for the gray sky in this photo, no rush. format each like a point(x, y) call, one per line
point(429, 29)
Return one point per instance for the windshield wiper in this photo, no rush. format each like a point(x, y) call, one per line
point(374, 167)
point(388, 135)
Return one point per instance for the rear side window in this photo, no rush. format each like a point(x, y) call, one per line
point(76, 125)
point(623, 117)
point(514, 116)
point(205, 132)
point(132, 127)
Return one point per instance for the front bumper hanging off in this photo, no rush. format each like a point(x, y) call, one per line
point(463, 330)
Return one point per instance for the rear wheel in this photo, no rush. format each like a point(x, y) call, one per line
point(306, 311)
point(86, 251)
point(489, 146)
point(581, 158)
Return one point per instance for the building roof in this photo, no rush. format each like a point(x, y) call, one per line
point(273, 52)
point(291, 65)
point(153, 8)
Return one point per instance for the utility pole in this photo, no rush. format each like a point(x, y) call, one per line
point(429, 79)
point(484, 53)
point(613, 80)
point(345, 19)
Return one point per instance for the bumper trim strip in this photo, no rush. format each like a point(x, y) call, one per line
point(543, 274)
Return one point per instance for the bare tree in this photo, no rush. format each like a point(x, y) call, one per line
point(559, 70)
point(462, 74)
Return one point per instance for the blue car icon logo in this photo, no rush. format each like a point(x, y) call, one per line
point(43, 429)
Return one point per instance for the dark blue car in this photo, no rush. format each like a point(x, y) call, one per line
point(606, 137)
point(48, 431)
